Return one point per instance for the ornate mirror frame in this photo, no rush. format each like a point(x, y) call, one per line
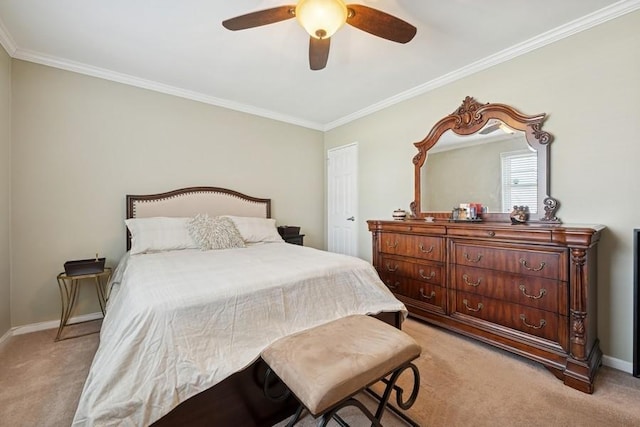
point(470, 118)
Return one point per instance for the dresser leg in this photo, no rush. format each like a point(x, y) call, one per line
point(580, 374)
point(559, 373)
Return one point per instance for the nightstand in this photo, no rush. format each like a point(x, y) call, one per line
point(69, 292)
point(296, 239)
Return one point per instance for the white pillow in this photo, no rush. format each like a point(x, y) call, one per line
point(158, 234)
point(255, 230)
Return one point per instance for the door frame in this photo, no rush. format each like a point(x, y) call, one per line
point(636, 302)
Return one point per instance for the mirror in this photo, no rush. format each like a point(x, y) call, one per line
point(507, 175)
point(489, 154)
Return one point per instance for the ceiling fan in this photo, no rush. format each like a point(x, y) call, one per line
point(322, 18)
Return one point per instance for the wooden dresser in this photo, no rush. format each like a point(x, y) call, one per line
point(529, 289)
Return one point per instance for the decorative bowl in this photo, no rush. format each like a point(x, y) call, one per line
point(399, 214)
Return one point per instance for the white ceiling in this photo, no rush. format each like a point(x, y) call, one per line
point(180, 47)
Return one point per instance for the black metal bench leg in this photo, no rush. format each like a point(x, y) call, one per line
point(391, 386)
point(296, 417)
point(327, 416)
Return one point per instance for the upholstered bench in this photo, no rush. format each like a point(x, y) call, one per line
point(326, 366)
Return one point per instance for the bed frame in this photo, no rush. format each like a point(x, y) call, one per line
point(239, 399)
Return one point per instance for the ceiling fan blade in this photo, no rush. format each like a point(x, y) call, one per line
point(259, 18)
point(318, 52)
point(380, 24)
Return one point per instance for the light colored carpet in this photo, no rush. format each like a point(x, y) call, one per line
point(463, 383)
point(41, 380)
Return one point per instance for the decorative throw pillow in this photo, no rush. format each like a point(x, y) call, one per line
point(214, 233)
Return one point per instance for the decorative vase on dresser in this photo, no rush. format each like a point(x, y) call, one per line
point(528, 288)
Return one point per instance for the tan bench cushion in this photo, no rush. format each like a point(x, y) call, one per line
point(326, 364)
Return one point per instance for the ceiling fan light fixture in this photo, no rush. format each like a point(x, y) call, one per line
point(321, 18)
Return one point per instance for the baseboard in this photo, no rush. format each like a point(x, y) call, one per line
point(6, 336)
point(620, 365)
point(51, 324)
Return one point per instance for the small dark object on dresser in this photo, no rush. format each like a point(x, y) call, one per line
point(84, 266)
point(519, 215)
point(288, 230)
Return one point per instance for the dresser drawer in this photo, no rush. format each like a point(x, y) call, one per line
point(420, 271)
point(425, 247)
point(394, 282)
point(544, 294)
point(530, 234)
point(389, 265)
point(423, 294)
point(427, 295)
point(532, 321)
point(545, 262)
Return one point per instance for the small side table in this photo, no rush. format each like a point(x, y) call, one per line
point(296, 239)
point(69, 293)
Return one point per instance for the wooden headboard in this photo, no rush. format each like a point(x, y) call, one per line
point(190, 201)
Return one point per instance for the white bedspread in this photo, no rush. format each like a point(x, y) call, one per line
point(182, 321)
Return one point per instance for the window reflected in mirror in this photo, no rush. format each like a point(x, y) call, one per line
point(519, 174)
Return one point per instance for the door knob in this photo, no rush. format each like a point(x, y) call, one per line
point(351, 218)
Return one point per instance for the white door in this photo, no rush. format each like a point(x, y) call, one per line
point(342, 199)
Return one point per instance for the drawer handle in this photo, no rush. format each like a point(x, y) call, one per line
point(423, 295)
point(395, 244)
point(466, 256)
point(474, 284)
point(391, 270)
point(394, 286)
point(491, 233)
point(430, 276)
point(542, 293)
point(466, 304)
point(524, 264)
point(427, 251)
point(524, 321)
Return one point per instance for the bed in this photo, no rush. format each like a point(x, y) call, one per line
point(184, 327)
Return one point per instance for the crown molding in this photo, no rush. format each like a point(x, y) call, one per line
point(130, 80)
point(6, 40)
point(588, 21)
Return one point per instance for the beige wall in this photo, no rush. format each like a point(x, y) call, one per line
point(5, 190)
point(589, 86)
point(81, 144)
